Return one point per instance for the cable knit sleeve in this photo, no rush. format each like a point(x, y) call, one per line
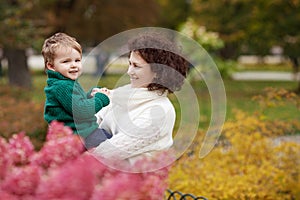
point(74, 100)
point(142, 134)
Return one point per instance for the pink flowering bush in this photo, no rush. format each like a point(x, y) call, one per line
point(61, 169)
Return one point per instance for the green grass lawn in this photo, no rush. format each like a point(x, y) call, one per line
point(284, 67)
point(239, 95)
point(29, 104)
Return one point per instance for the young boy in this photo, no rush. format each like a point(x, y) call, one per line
point(66, 101)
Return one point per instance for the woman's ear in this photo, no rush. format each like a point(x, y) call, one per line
point(50, 66)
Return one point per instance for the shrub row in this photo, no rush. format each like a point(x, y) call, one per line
point(249, 162)
point(62, 170)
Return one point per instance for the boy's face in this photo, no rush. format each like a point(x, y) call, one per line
point(67, 61)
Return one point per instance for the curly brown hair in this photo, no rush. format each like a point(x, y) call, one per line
point(165, 61)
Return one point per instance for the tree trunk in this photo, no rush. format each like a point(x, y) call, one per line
point(18, 72)
point(295, 64)
point(229, 51)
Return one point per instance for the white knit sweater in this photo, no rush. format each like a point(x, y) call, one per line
point(141, 122)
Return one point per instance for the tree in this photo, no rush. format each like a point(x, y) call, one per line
point(26, 23)
point(173, 12)
point(287, 22)
point(229, 18)
point(92, 21)
point(19, 30)
point(252, 26)
point(210, 41)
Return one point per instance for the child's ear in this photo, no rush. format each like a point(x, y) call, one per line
point(50, 66)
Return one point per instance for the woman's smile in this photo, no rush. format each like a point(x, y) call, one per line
point(139, 71)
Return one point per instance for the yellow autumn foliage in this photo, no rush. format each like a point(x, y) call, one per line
point(251, 161)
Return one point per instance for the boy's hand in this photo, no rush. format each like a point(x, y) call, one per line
point(101, 90)
point(105, 91)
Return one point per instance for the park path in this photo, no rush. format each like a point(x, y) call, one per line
point(36, 62)
point(287, 138)
point(266, 75)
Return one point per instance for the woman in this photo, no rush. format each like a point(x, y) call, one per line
point(140, 116)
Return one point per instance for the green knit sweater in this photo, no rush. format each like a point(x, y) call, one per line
point(67, 102)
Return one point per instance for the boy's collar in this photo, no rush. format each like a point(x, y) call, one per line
point(55, 74)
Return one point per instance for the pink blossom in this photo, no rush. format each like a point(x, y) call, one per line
point(73, 180)
point(7, 196)
point(154, 183)
point(4, 158)
point(98, 168)
point(61, 170)
point(161, 160)
point(61, 146)
point(22, 180)
point(147, 185)
point(20, 148)
point(59, 151)
point(120, 185)
point(57, 130)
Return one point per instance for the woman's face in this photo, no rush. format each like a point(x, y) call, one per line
point(139, 71)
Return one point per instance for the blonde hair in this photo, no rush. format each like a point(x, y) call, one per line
point(56, 41)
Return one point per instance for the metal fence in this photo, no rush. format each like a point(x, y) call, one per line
point(176, 195)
